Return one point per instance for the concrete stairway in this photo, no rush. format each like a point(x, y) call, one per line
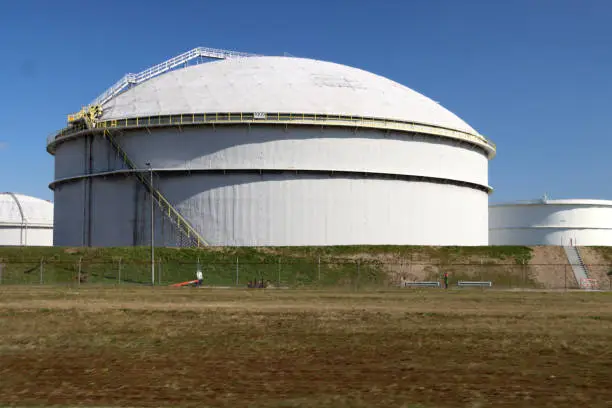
point(575, 260)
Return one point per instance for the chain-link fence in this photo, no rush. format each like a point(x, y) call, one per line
point(314, 273)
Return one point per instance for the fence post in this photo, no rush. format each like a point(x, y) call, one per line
point(159, 271)
point(79, 272)
point(358, 273)
point(237, 273)
point(41, 270)
point(1, 266)
point(119, 271)
point(279, 272)
point(319, 267)
point(410, 265)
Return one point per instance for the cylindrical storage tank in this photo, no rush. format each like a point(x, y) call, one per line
point(551, 222)
point(273, 151)
point(25, 221)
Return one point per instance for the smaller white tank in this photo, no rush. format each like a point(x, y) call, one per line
point(25, 221)
point(551, 222)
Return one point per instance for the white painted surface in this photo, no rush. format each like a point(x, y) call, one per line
point(272, 196)
point(553, 222)
point(280, 84)
point(25, 220)
point(282, 209)
point(274, 148)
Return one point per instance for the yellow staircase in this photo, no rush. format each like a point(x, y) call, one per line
point(190, 237)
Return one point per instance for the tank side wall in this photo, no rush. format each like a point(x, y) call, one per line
point(277, 209)
point(300, 210)
point(10, 236)
point(305, 148)
point(68, 217)
point(104, 158)
point(550, 225)
point(39, 236)
point(70, 158)
point(551, 236)
point(561, 216)
point(113, 211)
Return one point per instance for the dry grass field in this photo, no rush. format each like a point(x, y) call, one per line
point(109, 347)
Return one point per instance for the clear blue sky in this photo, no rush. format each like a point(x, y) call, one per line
point(534, 76)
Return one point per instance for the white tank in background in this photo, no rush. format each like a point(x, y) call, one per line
point(25, 221)
point(572, 222)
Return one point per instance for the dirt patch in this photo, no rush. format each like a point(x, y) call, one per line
point(598, 265)
point(550, 269)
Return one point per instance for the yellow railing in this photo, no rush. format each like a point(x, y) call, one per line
point(279, 118)
point(181, 222)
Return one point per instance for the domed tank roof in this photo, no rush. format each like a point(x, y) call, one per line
point(19, 209)
point(279, 84)
point(545, 201)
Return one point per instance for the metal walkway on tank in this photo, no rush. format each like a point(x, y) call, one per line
point(270, 118)
point(192, 237)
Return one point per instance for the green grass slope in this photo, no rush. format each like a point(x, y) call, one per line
point(346, 266)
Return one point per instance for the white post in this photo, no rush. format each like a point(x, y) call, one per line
point(319, 268)
point(279, 272)
point(152, 227)
point(1, 266)
point(41, 270)
point(198, 268)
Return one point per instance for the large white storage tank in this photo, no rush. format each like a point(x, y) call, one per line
point(272, 151)
point(551, 222)
point(25, 221)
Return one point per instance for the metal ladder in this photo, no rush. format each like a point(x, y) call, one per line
point(578, 267)
point(188, 235)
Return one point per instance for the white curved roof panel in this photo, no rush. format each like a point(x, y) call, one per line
point(279, 84)
point(571, 201)
point(19, 209)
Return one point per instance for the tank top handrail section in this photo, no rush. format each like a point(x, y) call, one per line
point(225, 118)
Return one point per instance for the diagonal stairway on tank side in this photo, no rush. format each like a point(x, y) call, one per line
point(188, 234)
point(579, 268)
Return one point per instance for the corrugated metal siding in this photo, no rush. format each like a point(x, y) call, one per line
point(262, 148)
point(291, 208)
point(294, 210)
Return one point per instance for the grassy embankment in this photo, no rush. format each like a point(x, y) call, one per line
point(131, 346)
point(350, 266)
